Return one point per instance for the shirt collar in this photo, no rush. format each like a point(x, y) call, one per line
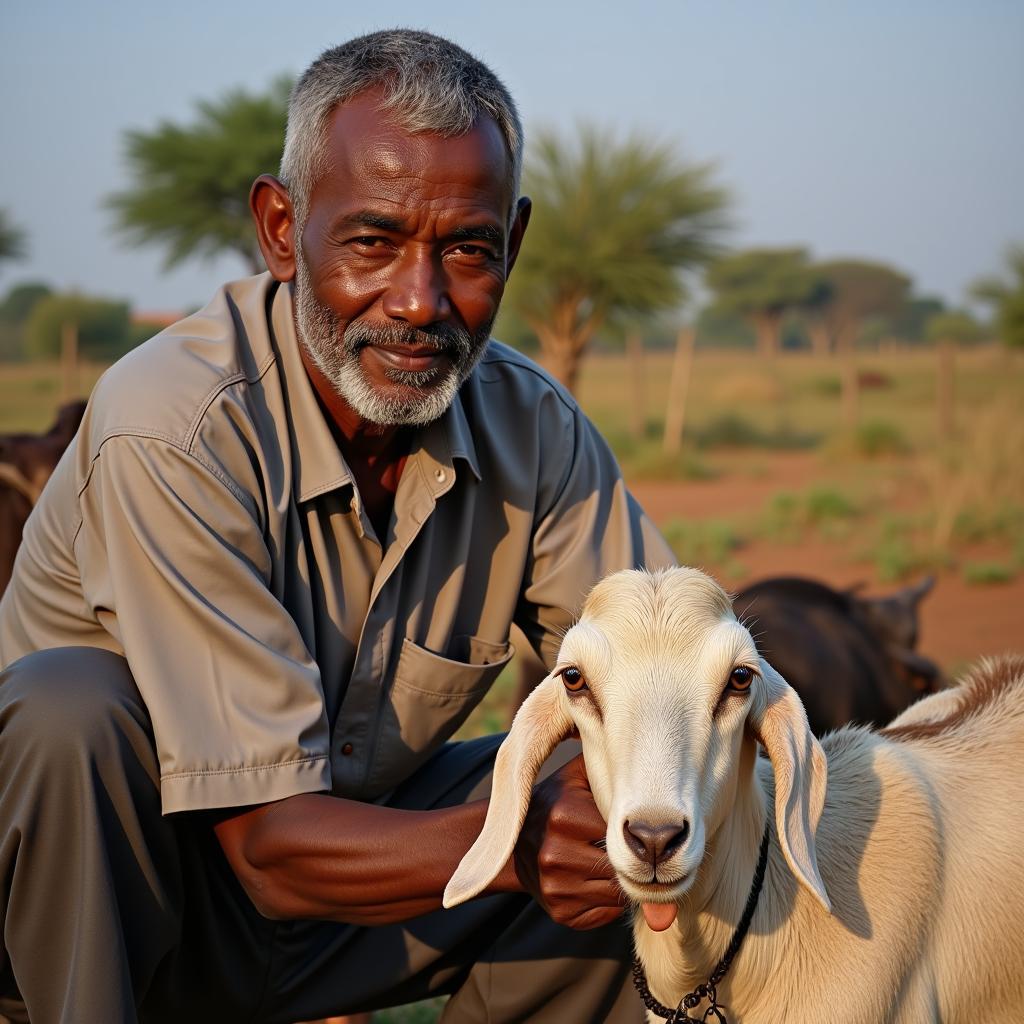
point(319, 466)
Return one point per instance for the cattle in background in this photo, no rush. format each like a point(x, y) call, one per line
point(851, 658)
point(26, 462)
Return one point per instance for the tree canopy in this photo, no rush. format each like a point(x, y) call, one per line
point(12, 239)
point(614, 224)
point(191, 182)
point(956, 326)
point(761, 285)
point(856, 290)
point(104, 326)
point(17, 305)
point(1007, 298)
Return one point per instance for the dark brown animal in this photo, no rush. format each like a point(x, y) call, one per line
point(851, 658)
point(26, 462)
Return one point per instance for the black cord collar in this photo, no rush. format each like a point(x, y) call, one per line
point(708, 990)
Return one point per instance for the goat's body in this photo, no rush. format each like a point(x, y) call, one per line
point(922, 854)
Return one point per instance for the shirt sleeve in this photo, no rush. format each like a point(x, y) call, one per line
point(174, 565)
point(591, 526)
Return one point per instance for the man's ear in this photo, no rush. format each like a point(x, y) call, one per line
point(515, 236)
point(274, 216)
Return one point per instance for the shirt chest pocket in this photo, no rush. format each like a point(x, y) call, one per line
point(430, 697)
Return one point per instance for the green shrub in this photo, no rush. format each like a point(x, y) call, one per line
point(734, 431)
point(787, 516)
point(702, 543)
point(103, 326)
point(827, 387)
point(895, 559)
point(987, 572)
point(428, 1012)
point(491, 715)
point(649, 462)
point(877, 437)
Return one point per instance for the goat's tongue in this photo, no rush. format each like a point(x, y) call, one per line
point(659, 916)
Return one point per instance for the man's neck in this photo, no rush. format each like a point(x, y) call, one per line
point(375, 454)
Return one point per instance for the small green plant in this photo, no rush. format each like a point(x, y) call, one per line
point(877, 437)
point(709, 542)
point(827, 387)
point(895, 559)
point(787, 516)
point(491, 715)
point(975, 524)
point(733, 431)
point(826, 504)
point(983, 573)
point(428, 1012)
point(781, 519)
point(649, 462)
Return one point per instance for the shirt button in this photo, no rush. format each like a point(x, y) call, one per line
point(347, 749)
point(440, 475)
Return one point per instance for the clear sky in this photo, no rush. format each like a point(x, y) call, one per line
point(877, 129)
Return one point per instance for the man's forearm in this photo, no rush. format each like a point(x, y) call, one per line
point(319, 856)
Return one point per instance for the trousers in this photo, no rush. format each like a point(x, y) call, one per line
point(112, 912)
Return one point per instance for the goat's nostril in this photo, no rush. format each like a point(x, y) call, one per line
point(654, 843)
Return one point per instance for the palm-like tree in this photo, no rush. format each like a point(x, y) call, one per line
point(191, 182)
point(614, 224)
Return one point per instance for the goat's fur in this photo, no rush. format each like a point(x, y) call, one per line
point(916, 844)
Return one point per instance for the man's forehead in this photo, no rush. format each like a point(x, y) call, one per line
point(367, 143)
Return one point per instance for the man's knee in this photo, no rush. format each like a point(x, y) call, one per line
point(68, 700)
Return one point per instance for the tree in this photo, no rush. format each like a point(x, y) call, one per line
point(854, 291)
point(15, 309)
point(12, 239)
point(17, 305)
point(1006, 298)
point(949, 331)
point(191, 182)
point(614, 225)
point(761, 285)
point(103, 326)
point(911, 322)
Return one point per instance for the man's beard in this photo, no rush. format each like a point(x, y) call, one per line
point(418, 396)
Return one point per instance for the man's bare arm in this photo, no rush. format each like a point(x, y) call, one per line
point(318, 856)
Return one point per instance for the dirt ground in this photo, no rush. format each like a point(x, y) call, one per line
point(960, 621)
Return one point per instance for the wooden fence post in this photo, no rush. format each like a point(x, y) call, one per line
point(678, 387)
point(69, 361)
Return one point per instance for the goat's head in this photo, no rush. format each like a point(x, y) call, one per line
point(668, 694)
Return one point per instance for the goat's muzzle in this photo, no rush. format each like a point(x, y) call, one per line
point(654, 844)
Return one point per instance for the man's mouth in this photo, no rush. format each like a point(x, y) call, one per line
point(409, 358)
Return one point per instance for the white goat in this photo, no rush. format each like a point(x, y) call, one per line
point(894, 895)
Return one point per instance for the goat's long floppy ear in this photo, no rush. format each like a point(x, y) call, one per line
point(780, 724)
point(536, 730)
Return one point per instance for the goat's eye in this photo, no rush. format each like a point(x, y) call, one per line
point(740, 679)
point(573, 679)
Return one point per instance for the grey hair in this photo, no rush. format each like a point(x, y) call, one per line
point(429, 85)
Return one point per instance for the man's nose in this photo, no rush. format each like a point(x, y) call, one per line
point(417, 292)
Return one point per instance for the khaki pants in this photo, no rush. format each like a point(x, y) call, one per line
point(113, 913)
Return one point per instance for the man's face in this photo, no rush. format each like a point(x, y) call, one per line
point(402, 262)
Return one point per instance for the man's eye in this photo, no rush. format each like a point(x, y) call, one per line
point(477, 252)
point(572, 679)
point(369, 241)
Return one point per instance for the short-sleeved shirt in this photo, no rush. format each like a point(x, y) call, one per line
point(205, 525)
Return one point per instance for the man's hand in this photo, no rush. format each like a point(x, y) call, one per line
point(560, 858)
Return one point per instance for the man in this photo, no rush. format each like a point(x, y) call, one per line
point(272, 576)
